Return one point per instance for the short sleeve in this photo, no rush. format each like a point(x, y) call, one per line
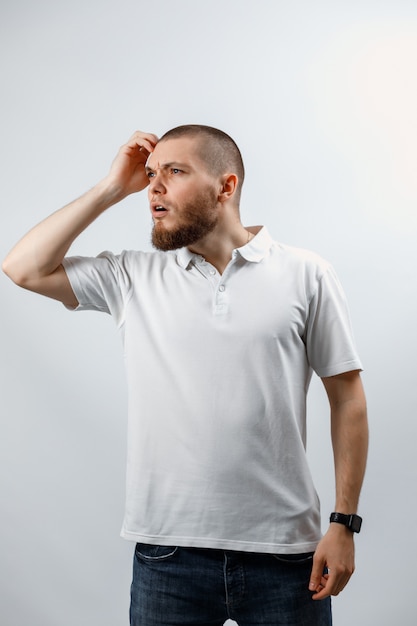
point(100, 283)
point(330, 342)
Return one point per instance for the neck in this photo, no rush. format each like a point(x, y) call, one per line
point(218, 246)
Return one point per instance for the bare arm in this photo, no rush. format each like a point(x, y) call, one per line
point(35, 262)
point(350, 447)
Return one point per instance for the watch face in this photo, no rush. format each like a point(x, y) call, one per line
point(355, 523)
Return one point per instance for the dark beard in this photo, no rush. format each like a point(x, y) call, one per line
point(198, 219)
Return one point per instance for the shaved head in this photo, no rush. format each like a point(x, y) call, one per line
point(215, 148)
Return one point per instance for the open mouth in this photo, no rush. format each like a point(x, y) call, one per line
point(158, 210)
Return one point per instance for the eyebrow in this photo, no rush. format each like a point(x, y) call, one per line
point(166, 166)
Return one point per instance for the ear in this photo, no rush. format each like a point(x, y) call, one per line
point(228, 187)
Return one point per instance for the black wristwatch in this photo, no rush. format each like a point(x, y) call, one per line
point(353, 522)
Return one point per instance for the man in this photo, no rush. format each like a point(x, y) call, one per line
point(222, 328)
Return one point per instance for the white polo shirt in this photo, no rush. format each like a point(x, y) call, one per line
point(218, 368)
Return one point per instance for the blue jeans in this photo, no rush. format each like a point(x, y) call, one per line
point(198, 587)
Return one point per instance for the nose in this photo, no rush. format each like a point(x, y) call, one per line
point(156, 184)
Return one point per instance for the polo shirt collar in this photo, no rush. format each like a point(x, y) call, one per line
point(258, 247)
point(185, 257)
point(254, 251)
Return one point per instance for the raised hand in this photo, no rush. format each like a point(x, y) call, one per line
point(127, 174)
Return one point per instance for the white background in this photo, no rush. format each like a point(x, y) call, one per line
point(322, 98)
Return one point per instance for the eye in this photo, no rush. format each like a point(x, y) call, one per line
point(175, 170)
point(150, 174)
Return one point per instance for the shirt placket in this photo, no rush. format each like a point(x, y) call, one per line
point(219, 284)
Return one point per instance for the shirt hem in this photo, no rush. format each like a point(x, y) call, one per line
point(221, 544)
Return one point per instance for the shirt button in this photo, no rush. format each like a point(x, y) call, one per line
point(212, 272)
point(222, 288)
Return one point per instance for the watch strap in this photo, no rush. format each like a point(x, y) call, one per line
point(352, 521)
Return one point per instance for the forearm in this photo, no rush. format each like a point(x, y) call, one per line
point(350, 447)
point(43, 248)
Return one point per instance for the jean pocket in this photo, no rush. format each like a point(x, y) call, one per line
point(295, 559)
point(147, 552)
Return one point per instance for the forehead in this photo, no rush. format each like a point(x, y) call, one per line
point(179, 150)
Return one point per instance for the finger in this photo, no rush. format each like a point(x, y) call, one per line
point(331, 585)
point(138, 149)
point(147, 141)
point(316, 574)
point(322, 590)
point(138, 134)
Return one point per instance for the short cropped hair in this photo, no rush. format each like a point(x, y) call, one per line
point(217, 149)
